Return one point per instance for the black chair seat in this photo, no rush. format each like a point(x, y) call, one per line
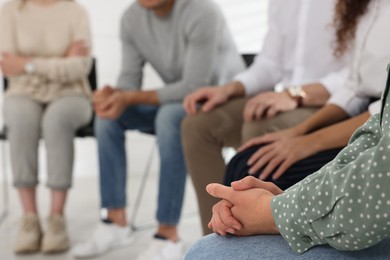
point(86, 131)
point(3, 136)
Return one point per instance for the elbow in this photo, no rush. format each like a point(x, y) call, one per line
point(75, 72)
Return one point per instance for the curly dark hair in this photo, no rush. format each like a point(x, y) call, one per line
point(347, 15)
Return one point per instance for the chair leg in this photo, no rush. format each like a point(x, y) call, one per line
point(4, 211)
point(141, 191)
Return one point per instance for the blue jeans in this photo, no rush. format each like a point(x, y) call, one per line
point(165, 122)
point(274, 247)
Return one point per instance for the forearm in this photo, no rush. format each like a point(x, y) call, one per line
point(234, 89)
point(328, 115)
point(351, 186)
point(62, 69)
point(316, 94)
point(149, 97)
point(337, 135)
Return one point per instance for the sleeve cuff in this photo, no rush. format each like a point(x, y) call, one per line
point(292, 222)
point(334, 81)
point(248, 83)
point(254, 84)
point(375, 107)
point(351, 103)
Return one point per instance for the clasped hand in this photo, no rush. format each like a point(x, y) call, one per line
point(245, 208)
point(109, 102)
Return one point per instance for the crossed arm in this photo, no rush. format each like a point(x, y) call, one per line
point(14, 64)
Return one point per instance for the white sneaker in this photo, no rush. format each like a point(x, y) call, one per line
point(105, 238)
point(161, 249)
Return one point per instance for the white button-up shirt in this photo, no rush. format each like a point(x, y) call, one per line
point(297, 49)
point(367, 73)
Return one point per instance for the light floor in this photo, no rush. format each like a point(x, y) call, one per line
point(83, 204)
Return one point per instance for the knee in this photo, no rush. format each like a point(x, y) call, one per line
point(197, 127)
point(54, 125)
point(169, 118)
point(192, 252)
point(106, 127)
point(254, 129)
point(57, 120)
point(202, 249)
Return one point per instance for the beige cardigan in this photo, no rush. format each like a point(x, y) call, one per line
point(44, 34)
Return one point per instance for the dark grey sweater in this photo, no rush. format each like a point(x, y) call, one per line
point(189, 48)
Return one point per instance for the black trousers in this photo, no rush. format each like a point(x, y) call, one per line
point(238, 168)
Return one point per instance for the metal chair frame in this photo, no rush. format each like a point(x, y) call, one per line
point(140, 193)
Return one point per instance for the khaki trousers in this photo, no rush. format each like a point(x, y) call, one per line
point(204, 135)
point(27, 121)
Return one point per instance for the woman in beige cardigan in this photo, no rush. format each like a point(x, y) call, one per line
point(44, 48)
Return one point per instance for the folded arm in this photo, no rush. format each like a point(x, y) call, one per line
point(344, 204)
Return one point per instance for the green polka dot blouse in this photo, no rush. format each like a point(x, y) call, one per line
point(345, 204)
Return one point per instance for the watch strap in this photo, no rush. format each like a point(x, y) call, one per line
point(297, 93)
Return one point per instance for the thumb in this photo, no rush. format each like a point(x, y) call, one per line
point(247, 183)
point(5, 54)
point(251, 182)
point(106, 87)
point(107, 90)
point(220, 191)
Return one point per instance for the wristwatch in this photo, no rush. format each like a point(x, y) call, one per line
point(297, 93)
point(29, 68)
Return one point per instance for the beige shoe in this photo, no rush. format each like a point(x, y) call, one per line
point(55, 239)
point(28, 238)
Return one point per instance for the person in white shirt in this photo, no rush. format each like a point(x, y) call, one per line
point(298, 53)
point(271, 155)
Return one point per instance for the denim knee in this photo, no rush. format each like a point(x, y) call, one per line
point(169, 118)
point(105, 127)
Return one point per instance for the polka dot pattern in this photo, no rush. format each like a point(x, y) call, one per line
point(345, 204)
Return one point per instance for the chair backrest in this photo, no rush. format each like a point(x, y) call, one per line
point(88, 130)
point(248, 58)
point(92, 76)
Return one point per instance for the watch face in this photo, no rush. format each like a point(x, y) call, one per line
point(29, 68)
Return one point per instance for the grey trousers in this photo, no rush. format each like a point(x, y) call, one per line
point(27, 121)
point(204, 136)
